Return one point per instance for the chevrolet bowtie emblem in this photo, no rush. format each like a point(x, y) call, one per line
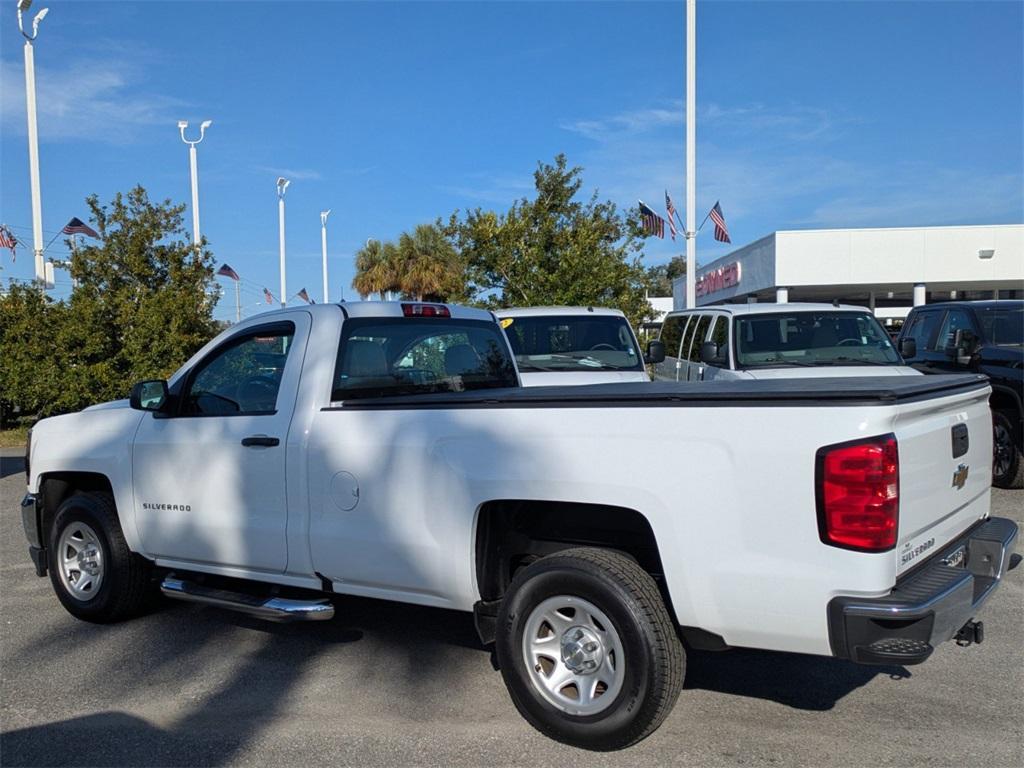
point(960, 476)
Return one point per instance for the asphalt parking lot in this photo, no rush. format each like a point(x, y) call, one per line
point(385, 684)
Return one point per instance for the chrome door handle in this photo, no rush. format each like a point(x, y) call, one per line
point(260, 440)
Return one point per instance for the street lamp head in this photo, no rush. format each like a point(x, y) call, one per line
point(183, 124)
point(205, 124)
point(24, 5)
point(324, 215)
point(282, 185)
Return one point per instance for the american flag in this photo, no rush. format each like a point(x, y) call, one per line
point(652, 222)
point(721, 231)
point(305, 296)
point(78, 227)
point(671, 210)
point(268, 296)
point(226, 271)
point(7, 240)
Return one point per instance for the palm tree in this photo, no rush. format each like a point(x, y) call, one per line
point(430, 267)
point(377, 269)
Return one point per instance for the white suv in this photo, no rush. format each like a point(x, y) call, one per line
point(769, 341)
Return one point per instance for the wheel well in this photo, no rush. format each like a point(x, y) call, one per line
point(513, 533)
point(55, 487)
point(1004, 401)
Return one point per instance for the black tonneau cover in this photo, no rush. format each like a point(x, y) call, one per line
point(866, 390)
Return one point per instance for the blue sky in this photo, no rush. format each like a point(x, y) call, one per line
point(823, 114)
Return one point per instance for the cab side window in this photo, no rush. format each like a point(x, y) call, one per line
point(671, 334)
point(956, 320)
point(241, 378)
point(921, 328)
point(698, 338)
point(720, 335)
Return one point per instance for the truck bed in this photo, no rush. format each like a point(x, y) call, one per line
point(856, 391)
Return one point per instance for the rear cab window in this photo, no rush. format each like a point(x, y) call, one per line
point(385, 357)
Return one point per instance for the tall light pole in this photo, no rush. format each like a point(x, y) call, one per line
point(691, 154)
point(182, 125)
point(282, 185)
point(323, 248)
point(33, 135)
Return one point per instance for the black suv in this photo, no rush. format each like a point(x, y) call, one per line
point(977, 337)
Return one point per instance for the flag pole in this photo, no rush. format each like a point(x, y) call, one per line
point(238, 302)
point(691, 153)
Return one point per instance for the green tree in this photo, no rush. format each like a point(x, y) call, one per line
point(142, 304)
point(660, 277)
point(377, 269)
point(429, 266)
point(554, 249)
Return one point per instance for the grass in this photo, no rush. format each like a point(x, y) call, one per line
point(13, 438)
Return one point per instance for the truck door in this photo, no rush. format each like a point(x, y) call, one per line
point(209, 479)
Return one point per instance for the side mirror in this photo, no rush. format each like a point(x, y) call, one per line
point(908, 348)
point(711, 354)
point(655, 352)
point(149, 395)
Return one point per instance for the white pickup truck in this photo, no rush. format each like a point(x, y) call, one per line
point(385, 450)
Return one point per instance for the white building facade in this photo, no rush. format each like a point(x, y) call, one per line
point(888, 270)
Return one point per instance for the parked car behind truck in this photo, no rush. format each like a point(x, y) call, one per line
point(387, 451)
point(573, 345)
point(768, 341)
point(978, 337)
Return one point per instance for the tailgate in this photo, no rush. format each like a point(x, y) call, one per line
point(945, 460)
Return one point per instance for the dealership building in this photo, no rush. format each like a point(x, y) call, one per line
point(888, 270)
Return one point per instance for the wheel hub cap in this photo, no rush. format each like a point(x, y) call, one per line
point(573, 655)
point(582, 651)
point(80, 561)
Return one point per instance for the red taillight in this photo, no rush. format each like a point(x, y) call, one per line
point(425, 310)
point(858, 487)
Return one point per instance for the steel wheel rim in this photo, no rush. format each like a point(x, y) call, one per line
point(1001, 450)
point(573, 655)
point(80, 561)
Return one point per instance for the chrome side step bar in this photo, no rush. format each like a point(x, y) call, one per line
point(279, 609)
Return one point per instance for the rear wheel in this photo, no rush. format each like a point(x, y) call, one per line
point(1007, 463)
point(96, 577)
point(587, 649)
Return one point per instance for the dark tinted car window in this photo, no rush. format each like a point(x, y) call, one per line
point(1002, 327)
point(698, 338)
point(921, 327)
point(671, 333)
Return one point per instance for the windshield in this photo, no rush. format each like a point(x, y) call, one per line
point(572, 343)
point(1002, 327)
point(812, 339)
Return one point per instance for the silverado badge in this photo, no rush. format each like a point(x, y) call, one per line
point(960, 476)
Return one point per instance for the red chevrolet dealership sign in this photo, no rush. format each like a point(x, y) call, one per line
point(719, 279)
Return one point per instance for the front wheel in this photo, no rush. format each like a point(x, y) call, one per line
point(587, 649)
point(1007, 462)
point(96, 577)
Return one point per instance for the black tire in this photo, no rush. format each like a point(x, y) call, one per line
point(126, 588)
point(655, 661)
point(1007, 453)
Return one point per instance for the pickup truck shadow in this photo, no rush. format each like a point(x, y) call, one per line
point(791, 679)
point(11, 465)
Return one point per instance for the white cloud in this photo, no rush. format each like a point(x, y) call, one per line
point(97, 100)
point(292, 174)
